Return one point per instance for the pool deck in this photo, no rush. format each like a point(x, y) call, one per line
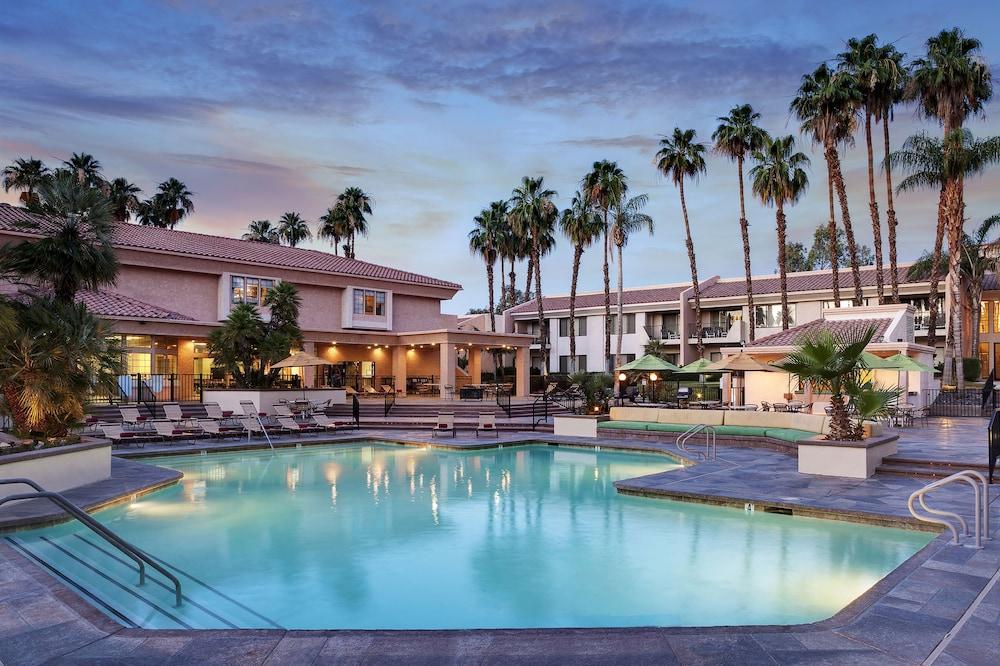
point(943, 603)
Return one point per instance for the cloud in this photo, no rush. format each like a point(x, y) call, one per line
point(641, 142)
point(347, 169)
point(226, 163)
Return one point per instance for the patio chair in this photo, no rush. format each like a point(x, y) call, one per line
point(172, 411)
point(445, 423)
point(448, 391)
point(371, 391)
point(252, 425)
point(283, 410)
point(214, 411)
point(325, 422)
point(131, 416)
point(169, 433)
point(487, 423)
point(121, 437)
point(214, 428)
point(249, 408)
point(349, 390)
point(288, 423)
point(387, 389)
point(765, 406)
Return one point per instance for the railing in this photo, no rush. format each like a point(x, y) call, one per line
point(390, 402)
point(540, 414)
point(153, 388)
point(993, 437)
point(661, 332)
point(952, 520)
point(952, 402)
point(140, 558)
point(503, 399)
point(710, 447)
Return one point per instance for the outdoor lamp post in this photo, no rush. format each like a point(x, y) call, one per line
point(622, 376)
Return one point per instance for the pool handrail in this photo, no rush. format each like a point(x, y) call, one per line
point(710, 447)
point(981, 507)
point(140, 558)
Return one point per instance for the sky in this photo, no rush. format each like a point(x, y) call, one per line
point(436, 109)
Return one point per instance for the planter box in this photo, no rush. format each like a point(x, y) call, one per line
point(573, 425)
point(59, 468)
point(856, 460)
point(229, 399)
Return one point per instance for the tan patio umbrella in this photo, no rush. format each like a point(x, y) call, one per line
point(300, 360)
point(737, 364)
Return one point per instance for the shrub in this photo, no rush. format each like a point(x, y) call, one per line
point(971, 369)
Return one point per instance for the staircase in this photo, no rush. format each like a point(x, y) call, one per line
point(925, 469)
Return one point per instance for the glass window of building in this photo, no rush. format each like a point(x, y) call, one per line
point(265, 289)
point(996, 316)
point(237, 285)
point(137, 363)
point(580, 328)
point(252, 293)
point(138, 341)
point(566, 366)
point(628, 323)
point(769, 316)
point(369, 302)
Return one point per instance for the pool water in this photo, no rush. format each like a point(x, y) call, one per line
point(392, 537)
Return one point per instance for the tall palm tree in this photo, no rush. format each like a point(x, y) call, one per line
point(262, 231)
point(174, 202)
point(86, 169)
point(736, 137)
point(333, 226)
point(939, 163)
point(628, 219)
point(826, 103)
point(496, 215)
point(25, 175)
point(779, 178)
point(875, 70)
point(124, 198)
point(293, 229)
point(949, 83)
point(681, 157)
point(148, 213)
point(605, 185)
point(534, 216)
point(581, 226)
point(76, 251)
point(483, 244)
point(356, 204)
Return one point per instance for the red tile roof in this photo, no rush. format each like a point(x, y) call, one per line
point(207, 246)
point(630, 297)
point(109, 304)
point(839, 328)
point(815, 281)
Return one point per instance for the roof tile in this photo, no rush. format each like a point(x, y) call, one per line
point(110, 304)
point(839, 328)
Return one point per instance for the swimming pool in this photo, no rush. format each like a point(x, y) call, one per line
point(392, 537)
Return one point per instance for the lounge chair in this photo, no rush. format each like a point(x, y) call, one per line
point(325, 422)
point(445, 423)
point(387, 389)
point(131, 416)
point(283, 410)
point(169, 433)
point(214, 428)
point(213, 411)
point(288, 423)
point(121, 437)
point(487, 423)
point(371, 390)
point(349, 390)
point(249, 409)
point(173, 412)
point(252, 425)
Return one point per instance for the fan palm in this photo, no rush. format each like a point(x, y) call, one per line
point(124, 198)
point(25, 175)
point(497, 216)
point(293, 229)
point(581, 226)
point(173, 201)
point(628, 219)
point(333, 226)
point(779, 178)
point(262, 231)
point(534, 214)
point(483, 244)
point(356, 204)
point(736, 137)
point(681, 157)
point(74, 251)
point(86, 169)
point(604, 186)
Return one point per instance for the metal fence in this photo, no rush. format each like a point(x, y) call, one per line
point(154, 388)
point(952, 402)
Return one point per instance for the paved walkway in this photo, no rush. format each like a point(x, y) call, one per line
point(942, 603)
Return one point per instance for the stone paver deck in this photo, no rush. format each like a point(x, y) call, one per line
point(942, 603)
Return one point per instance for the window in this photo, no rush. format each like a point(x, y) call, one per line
point(984, 316)
point(252, 293)
point(166, 364)
point(996, 316)
point(369, 302)
point(626, 358)
point(137, 363)
point(265, 289)
point(724, 319)
point(844, 303)
point(246, 289)
point(984, 359)
point(769, 316)
point(581, 327)
point(566, 366)
point(138, 341)
point(236, 283)
point(628, 324)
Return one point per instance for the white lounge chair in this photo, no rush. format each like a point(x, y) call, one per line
point(214, 411)
point(121, 437)
point(325, 421)
point(131, 416)
point(253, 426)
point(168, 431)
point(214, 428)
point(283, 410)
point(288, 423)
point(487, 423)
point(445, 423)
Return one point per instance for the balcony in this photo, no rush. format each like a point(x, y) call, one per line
point(711, 333)
point(665, 333)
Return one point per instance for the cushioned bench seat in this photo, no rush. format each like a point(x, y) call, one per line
point(788, 427)
point(625, 425)
point(789, 434)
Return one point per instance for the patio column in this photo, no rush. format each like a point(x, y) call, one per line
point(309, 373)
point(399, 369)
point(447, 365)
point(522, 363)
point(476, 365)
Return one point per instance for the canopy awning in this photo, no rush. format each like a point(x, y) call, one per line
point(698, 367)
point(741, 362)
point(904, 363)
point(299, 360)
point(648, 363)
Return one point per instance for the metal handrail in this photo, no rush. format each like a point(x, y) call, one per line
point(710, 445)
point(140, 558)
point(981, 508)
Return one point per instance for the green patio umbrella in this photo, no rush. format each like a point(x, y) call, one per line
point(904, 363)
point(648, 363)
point(874, 362)
point(699, 367)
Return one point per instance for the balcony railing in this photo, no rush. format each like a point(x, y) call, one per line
point(662, 332)
point(710, 332)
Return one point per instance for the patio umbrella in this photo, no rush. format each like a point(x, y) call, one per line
point(300, 360)
point(738, 363)
point(696, 367)
point(648, 363)
point(904, 363)
point(874, 362)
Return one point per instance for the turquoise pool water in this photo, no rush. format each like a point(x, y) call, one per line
point(392, 537)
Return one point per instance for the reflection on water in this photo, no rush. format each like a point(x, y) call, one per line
point(397, 537)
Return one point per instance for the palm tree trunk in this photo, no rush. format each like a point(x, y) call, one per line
point(782, 269)
point(503, 284)
point(840, 423)
point(489, 285)
point(694, 272)
point(932, 297)
point(832, 231)
point(619, 320)
point(577, 255)
point(513, 282)
point(607, 294)
point(745, 233)
point(890, 214)
point(535, 255)
point(527, 281)
point(833, 159)
point(975, 305)
point(873, 208)
point(955, 280)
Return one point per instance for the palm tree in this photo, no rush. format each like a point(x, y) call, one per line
point(681, 157)
point(333, 226)
point(581, 226)
point(605, 185)
point(939, 163)
point(124, 198)
point(25, 175)
point(778, 179)
point(950, 83)
point(826, 103)
point(497, 215)
point(148, 214)
point(483, 243)
point(876, 70)
point(628, 219)
point(356, 204)
point(174, 202)
point(736, 137)
point(86, 169)
point(293, 229)
point(75, 251)
point(534, 216)
point(262, 231)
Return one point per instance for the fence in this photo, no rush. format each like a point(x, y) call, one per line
point(952, 402)
point(150, 388)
